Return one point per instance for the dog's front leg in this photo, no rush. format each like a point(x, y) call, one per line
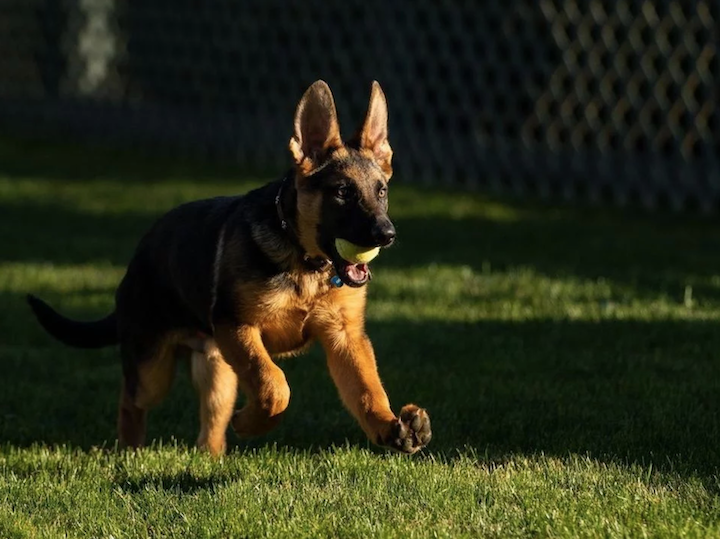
point(351, 361)
point(263, 382)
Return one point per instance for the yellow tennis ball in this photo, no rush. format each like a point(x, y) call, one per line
point(354, 253)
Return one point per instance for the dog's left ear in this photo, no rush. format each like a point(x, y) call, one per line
point(373, 136)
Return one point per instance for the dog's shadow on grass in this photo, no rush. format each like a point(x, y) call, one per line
point(183, 482)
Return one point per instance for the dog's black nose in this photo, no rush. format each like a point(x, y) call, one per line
point(384, 233)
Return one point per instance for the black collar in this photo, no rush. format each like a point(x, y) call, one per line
point(316, 263)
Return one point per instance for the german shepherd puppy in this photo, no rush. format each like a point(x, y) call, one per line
point(237, 281)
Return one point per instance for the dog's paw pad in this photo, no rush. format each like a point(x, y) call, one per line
point(411, 432)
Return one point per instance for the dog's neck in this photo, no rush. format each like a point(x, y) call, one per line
point(285, 205)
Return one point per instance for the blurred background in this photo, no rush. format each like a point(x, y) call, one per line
point(611, 102)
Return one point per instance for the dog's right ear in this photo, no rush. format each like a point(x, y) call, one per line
point(317, 132)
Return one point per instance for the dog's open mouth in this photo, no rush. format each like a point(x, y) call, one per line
point(352, 274)
point(355, 275)
point(351, 266)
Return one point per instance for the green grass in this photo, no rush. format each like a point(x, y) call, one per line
point(568, 358)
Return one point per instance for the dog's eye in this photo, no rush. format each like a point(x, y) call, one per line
point(382, 192)
point(342, 192)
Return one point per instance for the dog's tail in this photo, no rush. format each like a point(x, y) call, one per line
point(95, 334)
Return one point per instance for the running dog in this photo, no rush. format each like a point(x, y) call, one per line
point(238, 281)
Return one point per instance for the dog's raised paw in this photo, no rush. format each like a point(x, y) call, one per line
point(411, 432)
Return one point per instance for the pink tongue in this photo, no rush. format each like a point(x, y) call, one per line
point(357, 272)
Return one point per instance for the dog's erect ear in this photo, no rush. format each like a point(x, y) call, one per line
point(373, 135)
point(317, 131)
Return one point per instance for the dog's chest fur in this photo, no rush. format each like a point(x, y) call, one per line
point(282, 307)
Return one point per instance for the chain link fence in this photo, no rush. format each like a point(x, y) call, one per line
point(606, 101)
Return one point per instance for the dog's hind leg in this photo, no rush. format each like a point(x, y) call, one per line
point(216, 383)
point(131, 420)
point(147, 379)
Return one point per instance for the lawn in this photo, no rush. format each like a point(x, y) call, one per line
point(568, 358)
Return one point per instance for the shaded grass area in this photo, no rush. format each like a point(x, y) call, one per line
point(568, 358)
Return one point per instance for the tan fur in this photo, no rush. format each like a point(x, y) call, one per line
point(216, 383)
point(281, 315)
point(286, 322)
point(309, 205)
point(338, 323)
point(155, 376)
point(308, 220)
point(157, 373)
point(263, 382)
point(131, 421)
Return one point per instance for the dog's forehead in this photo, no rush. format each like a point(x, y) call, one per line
point(360, 168)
